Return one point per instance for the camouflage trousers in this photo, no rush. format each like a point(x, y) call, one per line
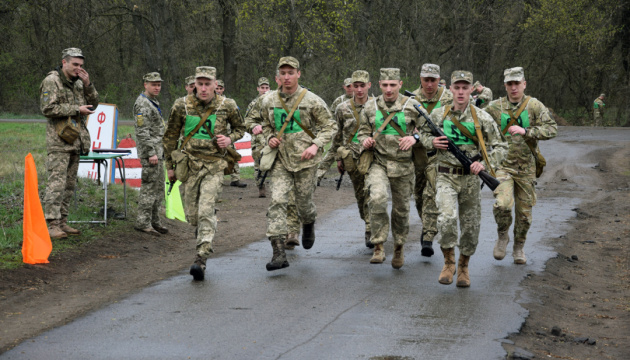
point(361, 194)
point(598, 118)
point(458, 196)
point(283, 182)
point(293, 220)
point(151, 194)
point(429, 207)
point(258, 142)
point(518, 192)
point(62, 168)
point(325, 164)
point(203, 189)
point(378, 184)
point(236, 174)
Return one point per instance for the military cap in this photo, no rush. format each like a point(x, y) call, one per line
point(263, 80)
point(430, 70)
point(461, 75)
point(289, 60)
point(390, 74)
point(360, 76)
point(152, 76)
point(514, 74)
point(477, 83)
point(347, 82)
point(602, 95)
point(190, 80)
point(220, 83)
point(72, 52)
point(205, 72)
point(442, 82)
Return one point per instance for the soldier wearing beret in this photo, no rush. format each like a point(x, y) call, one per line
point(298, 153)
point(206, 155)
point(432, 96)
point(346, 145)
point(388, 124)
point(523, 121)
point(458, 190)
point(149, 132)
point(66, 97)
point(323, 167)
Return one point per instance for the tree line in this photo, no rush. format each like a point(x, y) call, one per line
point(572, 50)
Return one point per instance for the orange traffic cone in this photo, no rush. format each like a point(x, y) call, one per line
point(36, 244)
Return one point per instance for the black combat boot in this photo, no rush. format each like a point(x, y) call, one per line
point(279, 259)
point(427, 247)
point(368, 242)
point(308, 235)
point(198, 268)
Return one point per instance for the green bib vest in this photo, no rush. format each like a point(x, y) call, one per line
point(399, 118)
point(522, 121)
point(452, 132)
point(279, 115)
point(193, 121)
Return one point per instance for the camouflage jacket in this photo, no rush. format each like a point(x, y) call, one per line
point(386, 149)
point(485, 96)
point(252, 116)
point(496, 146)
point(149, 127)
point(186, 114)
point(337, 101)
point(312, 113)
point(346, 124)
point(598, 106)
point(538, 123)
point(60, 98)
point(442, 97)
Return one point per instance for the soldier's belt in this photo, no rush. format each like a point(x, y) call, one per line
point(453, 171)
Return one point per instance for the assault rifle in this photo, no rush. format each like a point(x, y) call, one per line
point(339, 180)
point(457, 152)
point(170, 188)
point(262, 179)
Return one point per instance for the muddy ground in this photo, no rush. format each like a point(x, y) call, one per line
point(583, 293)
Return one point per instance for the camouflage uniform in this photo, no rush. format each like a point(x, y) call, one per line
point(149, 132)
point(459, 195)
point(392, 168)
point(61, 98)
point(598, 110)
point(324, 166)
point(346, 123)
point(289, 172)
point(485, 96)
point(424, 190)
point(258, 141)
point(517, 172)
point(206, 160)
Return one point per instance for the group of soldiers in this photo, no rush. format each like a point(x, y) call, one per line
point(384, 143)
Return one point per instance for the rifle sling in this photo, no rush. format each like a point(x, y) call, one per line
point(432, 105)
point(202, 121)
point(482, 143)
point(356, 117)
point(388, 118)
point(514, 117)
point(288, 118)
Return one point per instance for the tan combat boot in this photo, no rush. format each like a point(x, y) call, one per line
point(55, 231)
point(446, 276)
point(291, 242)
point(379, 254)
point(68, 229)
point(399, 257)
point(463, 278)
point(517, 252)
point(501, 245)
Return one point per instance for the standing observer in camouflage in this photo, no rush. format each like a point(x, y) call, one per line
point(255, 129)
point(66, 97)
point(290, 132)
point(523, 121)
point(432, 97)
point(484, 95)
point(598, 110)
point(323, 166)
point(388, 123)
point(149, 132)
point(207, 157)
point(458, 190)
point(346, 145)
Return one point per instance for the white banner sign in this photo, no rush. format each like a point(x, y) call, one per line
point(102, 125)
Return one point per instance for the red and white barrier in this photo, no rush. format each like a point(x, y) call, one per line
point(133, 168)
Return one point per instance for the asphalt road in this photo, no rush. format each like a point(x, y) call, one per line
point(331, 303)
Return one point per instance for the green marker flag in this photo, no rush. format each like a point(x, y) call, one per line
point(174, 206)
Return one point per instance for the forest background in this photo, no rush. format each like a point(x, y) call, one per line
point(572, 50)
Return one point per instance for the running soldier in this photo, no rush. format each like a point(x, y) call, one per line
point(258, 141)
point(388, 123)
point(149, 132)
point(598, 110)
point(299, 152)
point(206, 155)
point(523, 121)
point(458, 191)
point(66, 98)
